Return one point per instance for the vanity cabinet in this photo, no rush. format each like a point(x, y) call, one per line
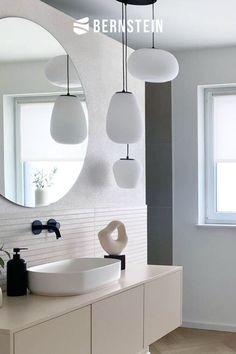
point(117, 323)
point(69, 333)
point(122, 318)
point(162, 307)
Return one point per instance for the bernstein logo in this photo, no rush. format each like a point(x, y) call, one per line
point(81, 26)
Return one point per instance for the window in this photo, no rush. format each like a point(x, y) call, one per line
point(220, 154)
point(29, 147)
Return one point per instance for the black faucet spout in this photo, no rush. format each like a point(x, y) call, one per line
point(51, 226)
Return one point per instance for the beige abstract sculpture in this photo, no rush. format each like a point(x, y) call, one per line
point(113, 247)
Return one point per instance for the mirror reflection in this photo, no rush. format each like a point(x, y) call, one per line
point(35, 170)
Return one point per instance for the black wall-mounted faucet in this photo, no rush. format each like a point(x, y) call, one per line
point(51, 226)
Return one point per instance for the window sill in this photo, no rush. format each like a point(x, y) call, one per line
point(228, 226)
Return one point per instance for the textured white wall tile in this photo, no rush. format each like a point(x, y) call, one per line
point(79, 231)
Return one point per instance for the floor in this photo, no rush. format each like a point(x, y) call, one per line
point(194, 341)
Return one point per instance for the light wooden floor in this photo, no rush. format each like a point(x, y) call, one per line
point(194, 341)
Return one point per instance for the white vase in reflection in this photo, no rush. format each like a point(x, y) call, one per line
point(41, 197)
point(1, 297)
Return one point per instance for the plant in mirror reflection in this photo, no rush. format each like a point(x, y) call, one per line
point(44, 180)
point(3, 255)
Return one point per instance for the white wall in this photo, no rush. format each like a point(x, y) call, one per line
point(208, 254)
point(98, 61)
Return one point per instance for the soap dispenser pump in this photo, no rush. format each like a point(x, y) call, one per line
point(16, 274)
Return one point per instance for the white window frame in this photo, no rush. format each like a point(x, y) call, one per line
point(24, 99)
point(18, 101)
point(211, 214)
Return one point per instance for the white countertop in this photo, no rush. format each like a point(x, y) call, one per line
point(19, 313)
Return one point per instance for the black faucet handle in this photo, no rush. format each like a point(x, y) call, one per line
point(37, 227)
point(53, 222)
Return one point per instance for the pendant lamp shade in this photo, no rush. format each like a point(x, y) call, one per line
point(56, 74)
point(124, 123)
point(68, 122)
point(153, 65)
point(127, 173)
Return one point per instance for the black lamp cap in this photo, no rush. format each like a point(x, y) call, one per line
point(123, 91)
point(138, 2)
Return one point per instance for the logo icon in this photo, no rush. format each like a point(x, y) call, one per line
point(81, 26)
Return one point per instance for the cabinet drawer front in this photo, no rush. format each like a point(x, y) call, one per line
point(5, 344)
point(117, 323)
point(162, 307)
point(67, 334)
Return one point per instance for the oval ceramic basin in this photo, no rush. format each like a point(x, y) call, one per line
point(72, 276)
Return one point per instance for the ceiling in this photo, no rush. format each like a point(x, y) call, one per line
point(186, 23)
point(26, 41)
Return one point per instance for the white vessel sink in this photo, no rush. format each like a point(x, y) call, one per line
point(72, 276)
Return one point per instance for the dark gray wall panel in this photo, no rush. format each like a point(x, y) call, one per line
point(159, 172)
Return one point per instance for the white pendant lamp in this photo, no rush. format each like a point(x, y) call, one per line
point(124, 122)
point(68, 122)
point(57, 75)
point(152, 64)
point(127, 172)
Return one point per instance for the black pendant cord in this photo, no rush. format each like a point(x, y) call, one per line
point(127, 153)
point(68, 74)
point(123, 47)
point(125, 56)
point(126, 49)
point(153, 27)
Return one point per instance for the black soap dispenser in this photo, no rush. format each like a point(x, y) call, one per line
point(16, 275)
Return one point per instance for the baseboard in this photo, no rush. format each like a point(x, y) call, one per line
point(210, 326)
point(145, 351)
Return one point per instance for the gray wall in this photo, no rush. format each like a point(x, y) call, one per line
point(207, 253)
point(159, 172)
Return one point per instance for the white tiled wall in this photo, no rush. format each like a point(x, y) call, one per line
point(79, 229)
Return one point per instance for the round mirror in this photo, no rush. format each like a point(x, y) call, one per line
point(35, 169)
